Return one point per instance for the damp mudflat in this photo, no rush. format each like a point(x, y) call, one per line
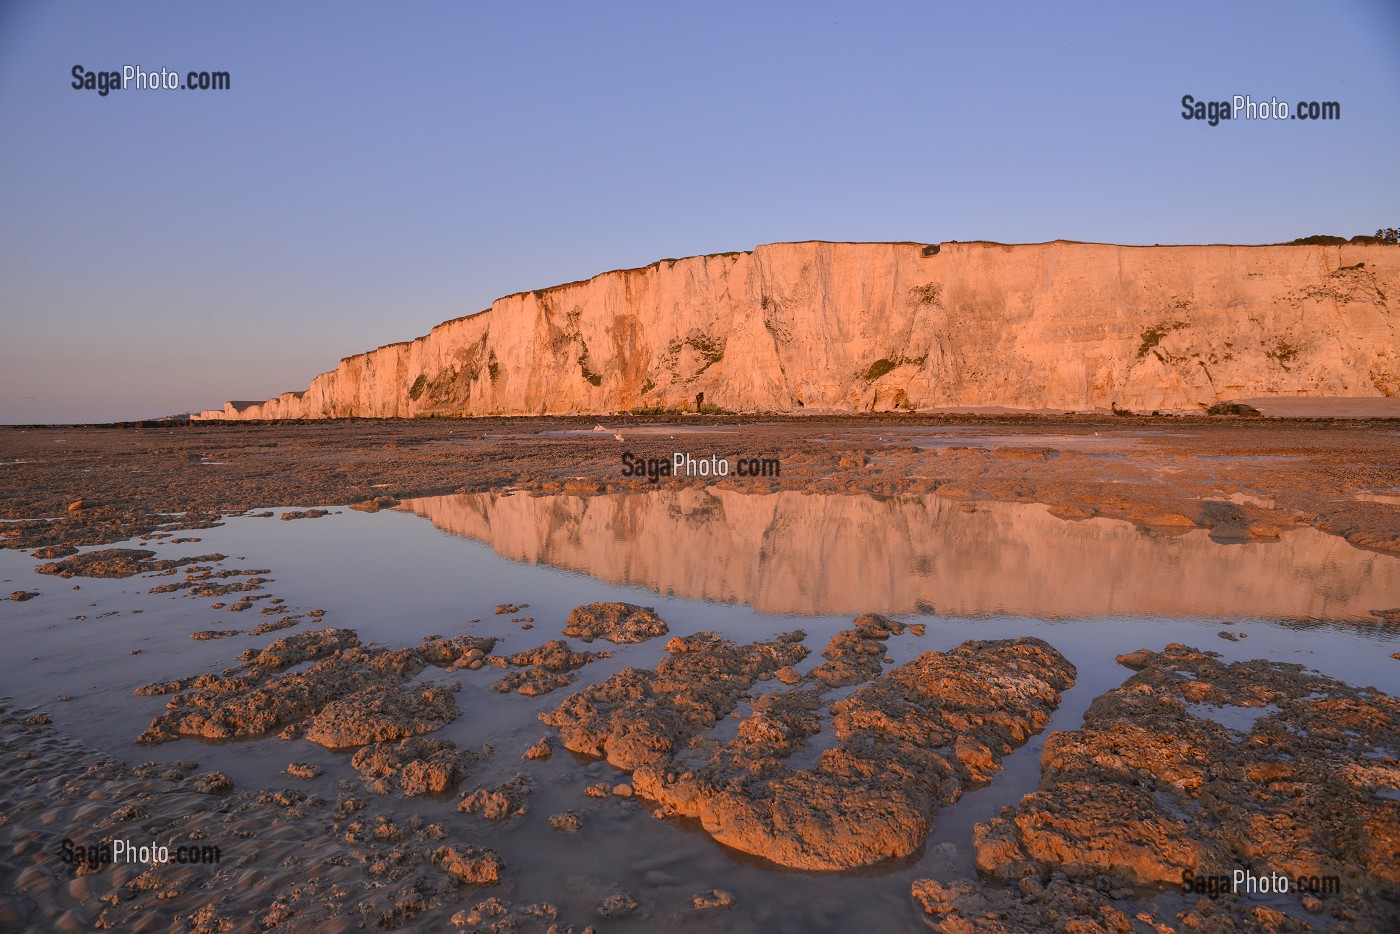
point(747, 566)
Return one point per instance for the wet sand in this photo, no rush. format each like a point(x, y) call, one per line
point(398, 775)
point(129, 480)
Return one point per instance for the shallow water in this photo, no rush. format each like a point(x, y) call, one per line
point(934, 439)
point(749, 566)
point(800, 553)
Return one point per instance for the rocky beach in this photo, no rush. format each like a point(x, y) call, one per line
point(971, 673)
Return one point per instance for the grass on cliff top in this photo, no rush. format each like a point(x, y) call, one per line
point(1330, 240)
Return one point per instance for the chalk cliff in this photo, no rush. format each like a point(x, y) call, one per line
point(880, 326)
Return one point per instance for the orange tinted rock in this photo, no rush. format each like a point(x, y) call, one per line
point(472, 864)
point(849, 327)
point(380, 713)
point(1088, 830)
point(498, 803)
point(293, 650)
point(873, 795)
point(415, 766)
point(1197, 765)
point(544, 668)
point(640, 717)
point(118, 562)
point(616, 622)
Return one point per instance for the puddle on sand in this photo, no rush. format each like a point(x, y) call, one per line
point(934, 439)
point(610, 431)
point(747, 566)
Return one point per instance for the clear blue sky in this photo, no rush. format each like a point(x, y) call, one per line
point(377, 168)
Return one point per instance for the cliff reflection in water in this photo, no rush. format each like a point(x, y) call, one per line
point(803, 553)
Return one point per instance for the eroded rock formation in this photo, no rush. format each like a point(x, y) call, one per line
point(544, 668)
point(861, 326)
point(118, 562)
point(619, 623)
point(1193, 770)
point(352, 696)
point(907, 742)
point(639, 717)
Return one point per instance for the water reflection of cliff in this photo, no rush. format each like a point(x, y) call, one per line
point(824, 554)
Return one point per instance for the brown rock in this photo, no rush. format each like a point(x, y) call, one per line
point(212, 783)
point(472, 865)
point(873, 795)
point(304, 646)
point(415, 766)
point(49, 552)
point(1196, 765)
point(617, 622)
point(566, 821)
point(714, 898)
point(614, 906)
point(544, 668)
point(1169, 520)
point(376, 504)
point(498, 803)
point(304, 514)
point(118, 562)
point(286, 622)
point(870, 797)
point(857, 654)
point(1081, 831)
point(639, 717)
point(381, 713)
point(964, 907)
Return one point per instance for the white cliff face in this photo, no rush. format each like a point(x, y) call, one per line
point(879, 326)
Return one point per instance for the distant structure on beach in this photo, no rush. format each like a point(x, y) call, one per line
point(858, 327)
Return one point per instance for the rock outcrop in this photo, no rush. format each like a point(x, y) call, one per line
point(907, 741)
point(883, 326)
point(1191, 772)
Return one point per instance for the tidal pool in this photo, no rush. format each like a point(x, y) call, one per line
point(748, 566)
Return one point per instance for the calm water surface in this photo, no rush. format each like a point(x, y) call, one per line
point(748, 566)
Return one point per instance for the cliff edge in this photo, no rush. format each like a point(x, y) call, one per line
point(900, 326)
